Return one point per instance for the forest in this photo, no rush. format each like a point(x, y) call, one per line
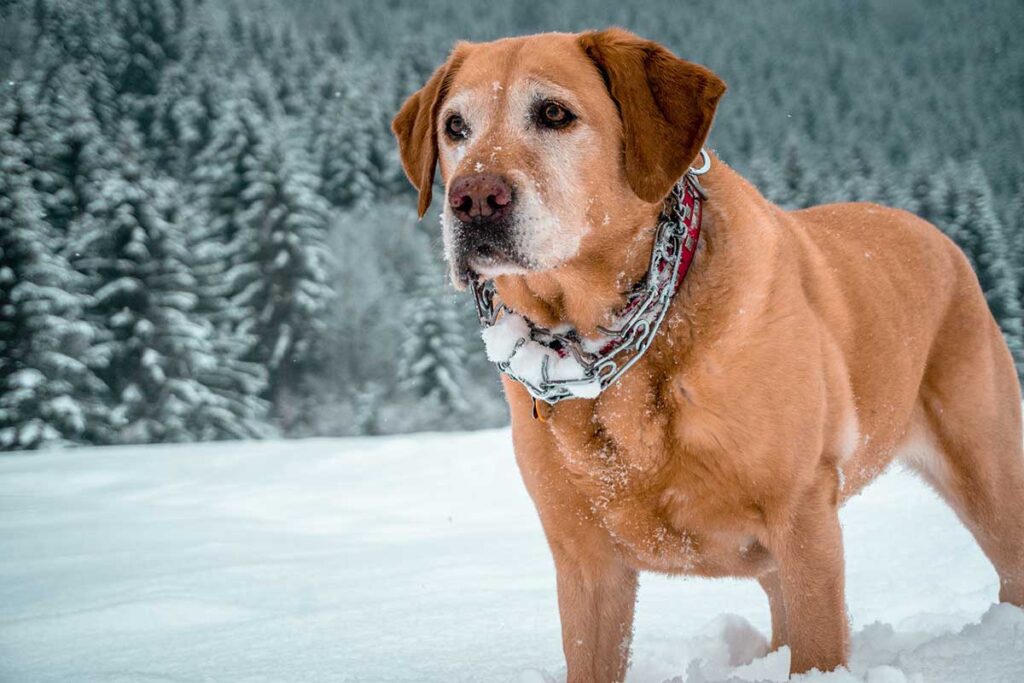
point(206, 233)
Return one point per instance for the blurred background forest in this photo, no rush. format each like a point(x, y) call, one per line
point(205, 232)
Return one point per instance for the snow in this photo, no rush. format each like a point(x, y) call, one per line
point(508, 340)
point(418, 558)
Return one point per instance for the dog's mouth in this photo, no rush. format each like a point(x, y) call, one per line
point(487, 264)
point(484, 258)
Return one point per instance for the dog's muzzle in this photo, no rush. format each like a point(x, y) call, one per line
point(483, 205)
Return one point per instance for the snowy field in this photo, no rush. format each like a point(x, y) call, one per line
point(416, 559)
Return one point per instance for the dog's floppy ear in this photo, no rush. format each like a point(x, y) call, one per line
point(416, 130)
point(666, 105)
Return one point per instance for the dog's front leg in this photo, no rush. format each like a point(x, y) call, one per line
point(596, 597)
point(809, 552)
point(596, 587)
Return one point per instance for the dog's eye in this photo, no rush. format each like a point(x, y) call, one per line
point(455, 127)
point(553, 115)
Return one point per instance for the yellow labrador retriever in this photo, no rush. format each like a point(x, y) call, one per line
point(801, 354)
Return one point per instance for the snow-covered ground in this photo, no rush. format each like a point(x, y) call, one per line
point(416, 559)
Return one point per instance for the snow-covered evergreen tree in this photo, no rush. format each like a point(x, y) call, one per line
point(220, 172)
point(940, 205)
point(433, 362)
point(154, 347)
point(221, 176)
point(1015, 232)
point(263, 254)
point(344, 145)
point(186, 105)
point(919, 188)
point(150, 36)
point(48, 393)
point(856, 179)
point(240, 411)
point(980, 234)
point(284, 288)
point(795, 179)
point(223, 249)
point(289, 63)
point(70, 149)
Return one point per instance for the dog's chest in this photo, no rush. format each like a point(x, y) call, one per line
point(667, 509)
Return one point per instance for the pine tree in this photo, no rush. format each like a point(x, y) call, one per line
point(150, 41)
point(219, 244)
point(940, 205)
point(240, 411)
point(263, 255)
point(224, 248)
point(857, 179)
point(345, 145)
point(285, 284)
point(433, 361)
point(187, 105)
point(221, 168)
point(795, 178)
point(289, 63)
point(982, 238)
point(920, 188)
point(154, 347)
point(1015, 233)
point(48, 393)
point(70, 150)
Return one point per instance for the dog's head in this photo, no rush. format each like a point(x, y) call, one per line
point(545, 141)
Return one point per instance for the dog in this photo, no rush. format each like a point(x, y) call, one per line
point(802, 354)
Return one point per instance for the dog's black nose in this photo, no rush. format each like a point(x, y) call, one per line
point(480, 198)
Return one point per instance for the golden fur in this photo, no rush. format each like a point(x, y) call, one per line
point(805, 351)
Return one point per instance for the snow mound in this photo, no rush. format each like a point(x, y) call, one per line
point(731, 650)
